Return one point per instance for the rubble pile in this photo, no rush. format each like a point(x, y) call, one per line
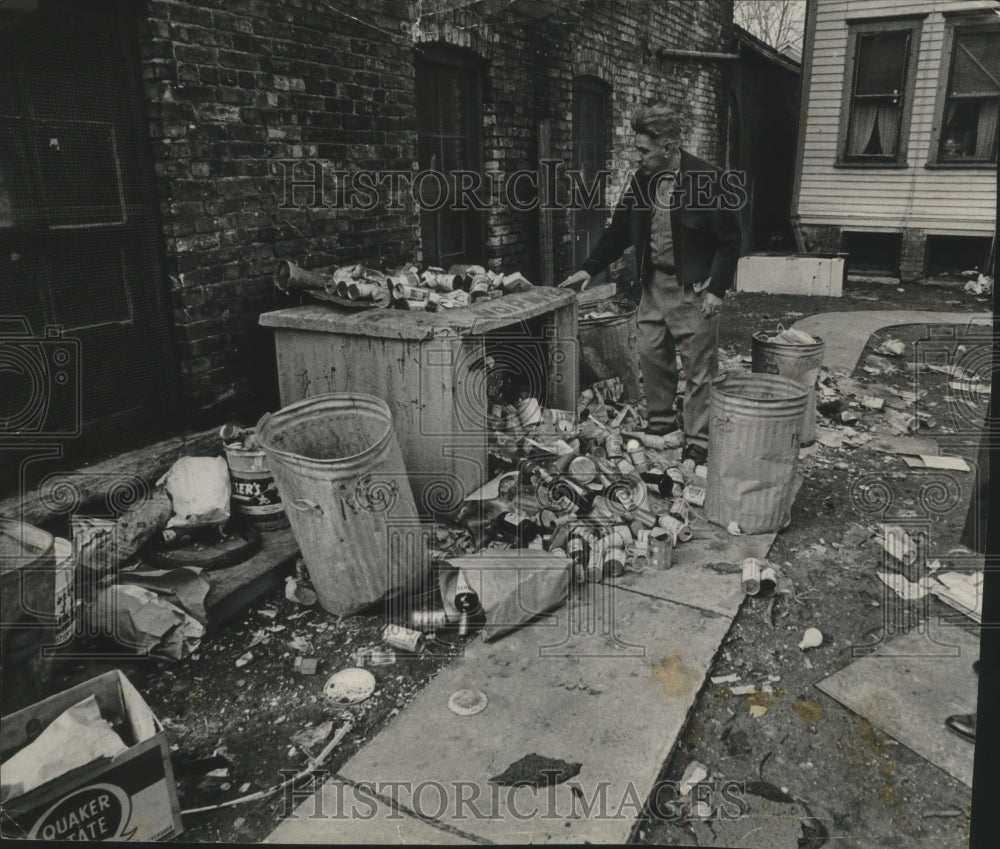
point(406, 288)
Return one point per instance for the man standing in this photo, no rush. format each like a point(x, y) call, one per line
point(683, 223)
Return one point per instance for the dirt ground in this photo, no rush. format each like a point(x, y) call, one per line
point(820, 772)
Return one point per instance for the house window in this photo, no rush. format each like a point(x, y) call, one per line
point(972, 98)
point(449, 140)
point(878, 91)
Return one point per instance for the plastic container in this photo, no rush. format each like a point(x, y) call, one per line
point(254, 492)
point(341, 477)
point(800, 363)
point(609, 346)
point(753, 445)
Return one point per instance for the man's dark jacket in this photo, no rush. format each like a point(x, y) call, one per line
point(706, 235)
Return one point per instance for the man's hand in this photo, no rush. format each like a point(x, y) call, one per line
point(710, 304)
point(581, 277)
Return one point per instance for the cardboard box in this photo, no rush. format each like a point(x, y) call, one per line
point(792, 274)
point(129, 797)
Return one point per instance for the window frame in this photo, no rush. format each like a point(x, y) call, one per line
point(434, 57)
point(913, 26)
point(956, 24)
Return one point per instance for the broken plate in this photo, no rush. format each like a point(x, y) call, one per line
point(467, 702)
point(349, 686)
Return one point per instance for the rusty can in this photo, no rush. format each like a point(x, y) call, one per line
point(694, 495)
point(636, 453)
point(479, 288)
point(645, 517)
point(401, 637)
point(428, 620)
point(681, 530)
point(618, 535)
point(582, 469)
point(661, 548)
point(751, 572)
point(640, 558)
point(613, 564)
point(680, 509)
point(613, 445)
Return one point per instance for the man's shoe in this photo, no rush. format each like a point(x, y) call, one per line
point(964, 725)
point(696, 453)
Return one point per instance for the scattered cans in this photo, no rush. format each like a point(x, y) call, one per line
point(428, 620)
point(694, 495)
point(681, 530)
point(401, 637)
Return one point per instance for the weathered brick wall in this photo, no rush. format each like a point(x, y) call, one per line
point(234, 87)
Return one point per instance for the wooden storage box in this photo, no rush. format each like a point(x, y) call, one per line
point(792, 274)
point(423, 365)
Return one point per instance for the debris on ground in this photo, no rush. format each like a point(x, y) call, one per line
point(812, 638)
point(536, 771)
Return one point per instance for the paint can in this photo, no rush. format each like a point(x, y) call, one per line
point(253, 490)
point(401, 637)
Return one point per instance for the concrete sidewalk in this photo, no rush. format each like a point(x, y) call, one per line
point(845, 334)
point(607, 681)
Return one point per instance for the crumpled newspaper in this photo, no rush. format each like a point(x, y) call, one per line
point(75, 738)
point(139, 618)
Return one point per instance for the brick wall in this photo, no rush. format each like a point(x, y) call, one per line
point(236, 87)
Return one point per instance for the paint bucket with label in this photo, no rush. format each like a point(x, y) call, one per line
point(254, 491)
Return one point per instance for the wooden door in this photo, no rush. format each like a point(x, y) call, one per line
point(590, 155)
point(85, 352)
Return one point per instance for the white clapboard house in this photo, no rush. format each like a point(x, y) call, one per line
point(897, 147)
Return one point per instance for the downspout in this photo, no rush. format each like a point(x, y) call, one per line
point(805, 81)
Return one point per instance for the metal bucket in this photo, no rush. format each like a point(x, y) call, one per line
point(253, 490)
point(609, 346)
point(341, 477)
point(800, 363)
point(753, 450)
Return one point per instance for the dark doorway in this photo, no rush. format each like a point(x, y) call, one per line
point(85, 351)
point(591, 108)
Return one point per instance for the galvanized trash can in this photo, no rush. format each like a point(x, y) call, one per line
point(753, 450)
point(609, 345)
point(347, 495)
point(800, 363)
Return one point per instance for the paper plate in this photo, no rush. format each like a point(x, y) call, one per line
point(349, 686)
point(467, 702)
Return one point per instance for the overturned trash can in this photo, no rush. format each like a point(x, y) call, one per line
point(347, 496)
point(753, 449)
point(797, 356)
point(609, 344)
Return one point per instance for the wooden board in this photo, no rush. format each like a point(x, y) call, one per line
point(481, 317)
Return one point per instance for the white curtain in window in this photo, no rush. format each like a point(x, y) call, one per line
point(888, 126)
point(865, 115)
point(986, 133)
